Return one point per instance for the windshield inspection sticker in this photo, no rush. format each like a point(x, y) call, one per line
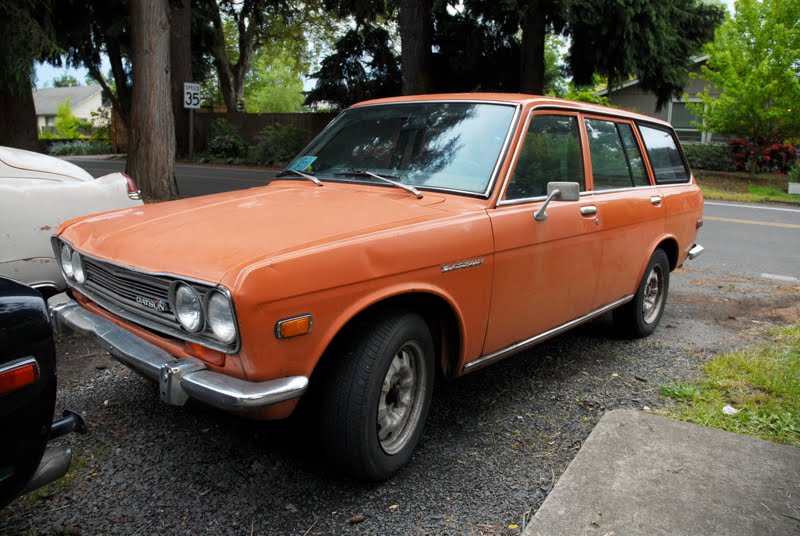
point(302, 163)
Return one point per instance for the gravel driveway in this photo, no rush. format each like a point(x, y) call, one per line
point(495, 443)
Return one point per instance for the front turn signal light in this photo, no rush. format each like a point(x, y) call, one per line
point(293, 327)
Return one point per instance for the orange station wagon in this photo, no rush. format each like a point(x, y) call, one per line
point(414, 237)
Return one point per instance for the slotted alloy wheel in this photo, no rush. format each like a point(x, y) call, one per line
point(400, 404)
point(653, 294)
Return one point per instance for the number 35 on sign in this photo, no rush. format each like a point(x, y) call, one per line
point(191, 96)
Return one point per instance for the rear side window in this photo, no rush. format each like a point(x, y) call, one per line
point(635, 160)
point(551, 152)
point(616, 159)
point(662, 149)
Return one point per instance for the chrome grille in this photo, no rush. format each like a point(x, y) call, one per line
point(123, 292)
point(129, 289)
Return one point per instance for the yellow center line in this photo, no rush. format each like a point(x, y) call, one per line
point(753, 222)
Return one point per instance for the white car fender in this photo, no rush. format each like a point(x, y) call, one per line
point(32, 209)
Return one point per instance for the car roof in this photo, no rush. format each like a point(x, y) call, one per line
point(517, 99)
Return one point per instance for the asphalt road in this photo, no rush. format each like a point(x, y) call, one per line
point(193, 179)
point(756, 240)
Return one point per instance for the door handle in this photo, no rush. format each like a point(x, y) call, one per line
point(589, 210)
point(656, 200)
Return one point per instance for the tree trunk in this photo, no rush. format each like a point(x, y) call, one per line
point(531, 76)
point(18, 119)
point(416, 37)
point(225, 75)
point(123, 99)
point(180, 60)
point(151, 132)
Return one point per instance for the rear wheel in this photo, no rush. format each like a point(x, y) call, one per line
point(640, 316)
point(377, 396)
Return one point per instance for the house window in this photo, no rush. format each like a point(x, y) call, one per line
point(682, 117)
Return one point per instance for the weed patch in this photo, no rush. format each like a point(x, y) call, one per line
point(761, 384)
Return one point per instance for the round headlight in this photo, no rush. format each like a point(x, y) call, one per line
point(77, 268)
point(188, 307)
point(220, 317)
point(66, 261)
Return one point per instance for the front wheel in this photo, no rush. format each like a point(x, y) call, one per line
point(376, 400)
point(640, 317)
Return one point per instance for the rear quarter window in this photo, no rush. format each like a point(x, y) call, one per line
point(668, 164)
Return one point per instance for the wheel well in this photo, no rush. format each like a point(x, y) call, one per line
point(436, 312)
point(670, 247)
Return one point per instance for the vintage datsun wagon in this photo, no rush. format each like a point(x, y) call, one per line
point(414, 237)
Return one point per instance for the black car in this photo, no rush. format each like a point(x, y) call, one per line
point(28, 395)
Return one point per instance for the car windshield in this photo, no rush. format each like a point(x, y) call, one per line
point(443, 145)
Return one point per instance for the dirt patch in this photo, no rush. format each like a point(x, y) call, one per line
point(79, 358)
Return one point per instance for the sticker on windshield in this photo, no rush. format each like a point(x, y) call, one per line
point(302, 163)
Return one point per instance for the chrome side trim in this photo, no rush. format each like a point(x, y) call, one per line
point(696, 251)
point(519, 346)
point(179, 378)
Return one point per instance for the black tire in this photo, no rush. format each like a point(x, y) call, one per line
point(640, 317)
point(354, 391)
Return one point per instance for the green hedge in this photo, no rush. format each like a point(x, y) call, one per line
point(278, 144)
point(80, 147)
point(711, 156)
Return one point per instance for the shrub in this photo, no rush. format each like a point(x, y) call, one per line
point(711, 156)
point(278, 144)
point(770, 157)
point(225, 141)
point(79, 147)
point(779, 158)
point(67, 125)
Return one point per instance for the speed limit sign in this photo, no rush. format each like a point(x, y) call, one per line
point(191, 96)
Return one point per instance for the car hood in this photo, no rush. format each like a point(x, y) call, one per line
point(206, 237)
point(16, 162)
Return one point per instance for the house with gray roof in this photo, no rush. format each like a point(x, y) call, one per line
point(631, 96)
point(83, 101)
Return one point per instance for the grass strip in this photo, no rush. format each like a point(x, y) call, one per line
point(761, 382)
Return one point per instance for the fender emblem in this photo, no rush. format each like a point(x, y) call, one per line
point(462, 264)
point(158, 305)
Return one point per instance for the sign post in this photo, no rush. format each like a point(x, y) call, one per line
point(191, 101)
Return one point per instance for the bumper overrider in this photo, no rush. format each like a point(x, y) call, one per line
point(179, 379)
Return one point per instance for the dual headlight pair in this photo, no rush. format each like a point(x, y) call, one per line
point(192, 312)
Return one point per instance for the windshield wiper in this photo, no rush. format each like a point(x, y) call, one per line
point(312, 178)
point(384, 178)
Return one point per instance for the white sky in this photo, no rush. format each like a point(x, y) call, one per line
point(45, 73)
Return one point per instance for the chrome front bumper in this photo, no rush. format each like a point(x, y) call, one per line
point(179, 379)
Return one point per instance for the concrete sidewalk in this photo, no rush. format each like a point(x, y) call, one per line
point(640, 474)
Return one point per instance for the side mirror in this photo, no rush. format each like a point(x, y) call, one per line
point(560, 191)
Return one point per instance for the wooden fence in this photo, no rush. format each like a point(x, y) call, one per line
point(248, 125)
